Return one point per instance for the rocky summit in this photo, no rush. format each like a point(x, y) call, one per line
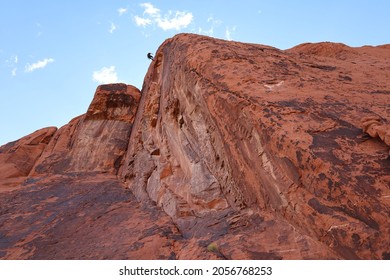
point(229, 151)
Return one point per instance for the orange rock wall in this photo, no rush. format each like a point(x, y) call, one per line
point(263, 153)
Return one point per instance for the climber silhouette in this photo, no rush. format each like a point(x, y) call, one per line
point(150, 56)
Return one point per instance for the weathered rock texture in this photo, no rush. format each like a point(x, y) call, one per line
point(232, 151)
point(18, 158)
point(96, 141)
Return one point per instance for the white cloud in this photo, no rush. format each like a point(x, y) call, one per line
point(38, 65)
point(229, 31)
point(113, 27)
point(139, 21)
point(177, 21)
point(105, 75)
point(150, 9)
point(171, 20)
point(15, 59)
point(13, 72)
point(122, 11)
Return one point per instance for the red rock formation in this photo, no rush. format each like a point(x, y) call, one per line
point(18, 158)
point(374, 127)
point(96, 141)
point(236, 151)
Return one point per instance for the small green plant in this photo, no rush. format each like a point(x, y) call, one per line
point(213, 247)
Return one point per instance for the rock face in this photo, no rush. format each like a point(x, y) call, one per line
point(232, 151)
point(18, 158)
point(96, 141)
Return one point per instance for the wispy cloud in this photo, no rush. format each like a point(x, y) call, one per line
point(213, 23)
point(229, 32)
point(39, 28)
point(172, 20)
point(113, 27)
point(12, 62)
point(105, 75)
point(38, 65)
point(139, 21)
point(122, 11)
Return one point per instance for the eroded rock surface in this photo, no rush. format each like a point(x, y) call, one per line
point(18, 158)
point(374, 127)
point(97, 140)
point(242, 126)
point(231, 151)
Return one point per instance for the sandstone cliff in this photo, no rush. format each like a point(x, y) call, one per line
point(230, 151)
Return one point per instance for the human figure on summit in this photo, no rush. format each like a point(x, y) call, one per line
point(150, 56)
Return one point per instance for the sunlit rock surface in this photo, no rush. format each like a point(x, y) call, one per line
point(263, 153)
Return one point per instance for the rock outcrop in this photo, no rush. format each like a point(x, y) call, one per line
point(230, 151)
point(97, 140)
point(374, 127)
point(18, 158)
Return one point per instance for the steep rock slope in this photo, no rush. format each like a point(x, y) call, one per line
point(231, 151)
point(230, 133)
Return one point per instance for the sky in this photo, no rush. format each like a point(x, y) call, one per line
point(54, 53)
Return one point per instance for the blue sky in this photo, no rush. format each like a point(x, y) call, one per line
point(53, 54)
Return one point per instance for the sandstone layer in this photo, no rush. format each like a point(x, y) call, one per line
point(230, 151)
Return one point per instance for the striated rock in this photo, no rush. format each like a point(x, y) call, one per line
point(243, 126)
point(374, 127)
point(18, 158)
point(233, 151)
point(96, 141)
